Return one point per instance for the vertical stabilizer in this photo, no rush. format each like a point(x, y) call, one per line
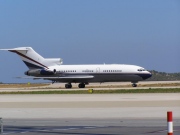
point(31, 58)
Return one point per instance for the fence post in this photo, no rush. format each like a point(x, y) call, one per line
point(170, 123)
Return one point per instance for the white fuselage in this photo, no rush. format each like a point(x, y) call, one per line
point(101, 73)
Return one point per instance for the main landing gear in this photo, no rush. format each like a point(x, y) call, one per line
point(69, 85)
point(81, 85)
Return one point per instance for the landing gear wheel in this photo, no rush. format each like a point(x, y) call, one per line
point(134, 85)
point(81, 85)
point(68, 86)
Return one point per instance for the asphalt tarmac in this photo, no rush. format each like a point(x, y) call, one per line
point(88, 126)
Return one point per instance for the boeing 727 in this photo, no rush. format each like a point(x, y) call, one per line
point(53, 69)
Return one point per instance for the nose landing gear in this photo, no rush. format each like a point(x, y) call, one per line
point(134, 85)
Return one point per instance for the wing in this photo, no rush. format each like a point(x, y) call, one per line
point(62, 79)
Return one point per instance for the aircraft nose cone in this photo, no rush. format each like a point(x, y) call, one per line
point(146, 76)
point(149, 75)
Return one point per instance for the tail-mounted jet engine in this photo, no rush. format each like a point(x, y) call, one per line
point(35, 72)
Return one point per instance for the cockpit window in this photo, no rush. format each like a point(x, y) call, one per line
point(142, 69)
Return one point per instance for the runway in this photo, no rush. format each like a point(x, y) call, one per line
point(100, 86)
point(118, 114)
point(119, 84)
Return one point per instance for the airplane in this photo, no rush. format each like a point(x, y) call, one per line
point(54, 70)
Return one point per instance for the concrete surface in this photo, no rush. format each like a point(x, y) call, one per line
point(89, 105)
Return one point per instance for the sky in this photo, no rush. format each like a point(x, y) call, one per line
point(143, 33)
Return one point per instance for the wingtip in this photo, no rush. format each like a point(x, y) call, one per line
point(4, 49)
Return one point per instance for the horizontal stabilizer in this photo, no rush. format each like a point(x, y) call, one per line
point(16, 49)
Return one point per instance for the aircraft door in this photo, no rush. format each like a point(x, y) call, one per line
point(97, 70)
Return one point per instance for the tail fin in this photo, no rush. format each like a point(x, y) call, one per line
point(32, 59)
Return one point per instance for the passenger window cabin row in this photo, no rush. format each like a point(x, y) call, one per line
point(67, 71)
point(112, 71)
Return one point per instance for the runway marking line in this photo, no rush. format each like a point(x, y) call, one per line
point(44, 130)
point(161, 131)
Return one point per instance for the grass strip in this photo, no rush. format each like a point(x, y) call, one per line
point(159, 90)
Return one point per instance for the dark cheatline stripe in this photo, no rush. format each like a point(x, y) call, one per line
point(32, 65)
point(145, 76)
point(27, 57)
